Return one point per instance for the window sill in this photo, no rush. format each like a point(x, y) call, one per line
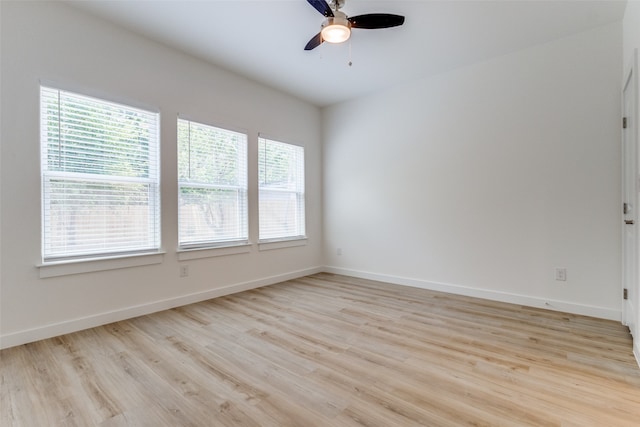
point(197, 253)
point(281, 244)
point(90, 265)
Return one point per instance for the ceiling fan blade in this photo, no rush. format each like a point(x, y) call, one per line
point(376, 20)
point(322, 7)
point(314, 42)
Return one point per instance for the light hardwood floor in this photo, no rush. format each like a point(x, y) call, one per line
point(329, 350)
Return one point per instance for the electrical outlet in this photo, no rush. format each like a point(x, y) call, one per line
point(339, 251)
point(561, 274)
point(184, 270)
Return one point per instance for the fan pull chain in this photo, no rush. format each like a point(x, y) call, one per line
point(350, 62)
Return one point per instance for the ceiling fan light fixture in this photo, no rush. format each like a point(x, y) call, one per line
point(337, 26)
point(336, 30)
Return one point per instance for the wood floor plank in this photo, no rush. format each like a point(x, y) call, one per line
point(329, 350)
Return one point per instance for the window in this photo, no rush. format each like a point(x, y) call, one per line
point(212, 186)
point(281, 190)
point(100, 185)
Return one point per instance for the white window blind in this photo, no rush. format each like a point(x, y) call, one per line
point(212, 186)
point(281, 190)
point(100, 185)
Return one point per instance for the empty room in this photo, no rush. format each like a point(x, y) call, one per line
point(319, 213)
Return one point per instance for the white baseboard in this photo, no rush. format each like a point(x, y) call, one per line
point(567, 307)
point(636, 350)
point(74, 325)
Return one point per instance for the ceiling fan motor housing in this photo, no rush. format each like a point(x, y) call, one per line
point(338, 18)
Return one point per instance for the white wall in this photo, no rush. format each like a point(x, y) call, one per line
point(631, 30)
point(52, 42)
point(485, 179)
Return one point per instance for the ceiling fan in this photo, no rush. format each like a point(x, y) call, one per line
point(337, 27)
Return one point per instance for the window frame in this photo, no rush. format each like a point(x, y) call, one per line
point(220, 246)
point(48, 175)
point(278, 242)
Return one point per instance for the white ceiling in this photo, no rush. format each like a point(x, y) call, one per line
point(264, 39)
